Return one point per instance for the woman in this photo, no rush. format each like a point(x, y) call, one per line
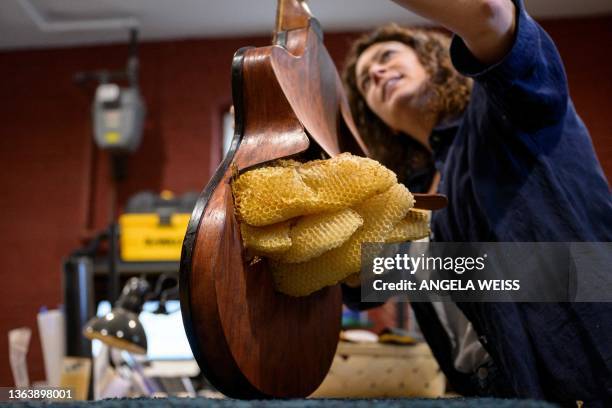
point(516, 163)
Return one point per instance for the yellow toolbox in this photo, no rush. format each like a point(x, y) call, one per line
point(153, 227)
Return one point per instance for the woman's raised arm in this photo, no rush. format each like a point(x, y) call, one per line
point(486, 26)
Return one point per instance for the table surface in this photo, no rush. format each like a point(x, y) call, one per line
point(295, 403)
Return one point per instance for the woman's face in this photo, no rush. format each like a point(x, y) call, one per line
point(393, 82)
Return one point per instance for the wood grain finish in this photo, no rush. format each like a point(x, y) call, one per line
point(291, 15)
point(315, 95)
point(249, 340)
point(430, 201)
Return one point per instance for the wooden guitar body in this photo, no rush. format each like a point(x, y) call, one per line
point(249, 340)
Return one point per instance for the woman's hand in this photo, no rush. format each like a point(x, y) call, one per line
point(486, 26)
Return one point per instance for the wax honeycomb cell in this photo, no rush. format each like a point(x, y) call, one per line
point(316, 234)
point(414, 226)
point(380, 215)
point(303, 238)
point(346, 180)
point(273, 194)
point(269, 240)
point(310, 219)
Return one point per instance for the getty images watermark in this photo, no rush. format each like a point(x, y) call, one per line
point(488, 272)
point(458, 265)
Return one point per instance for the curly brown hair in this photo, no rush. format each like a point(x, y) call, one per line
point(451, 91)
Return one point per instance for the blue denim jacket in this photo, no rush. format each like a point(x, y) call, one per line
point(520, 166)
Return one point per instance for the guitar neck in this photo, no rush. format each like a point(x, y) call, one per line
point(291, 15)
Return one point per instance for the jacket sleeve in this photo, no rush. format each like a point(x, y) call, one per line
point(529, 84)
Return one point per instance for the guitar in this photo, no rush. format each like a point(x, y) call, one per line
point(249, 340)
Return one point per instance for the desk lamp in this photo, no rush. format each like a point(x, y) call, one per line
point(121, 328)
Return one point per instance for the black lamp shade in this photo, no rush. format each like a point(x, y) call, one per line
point(120, 328)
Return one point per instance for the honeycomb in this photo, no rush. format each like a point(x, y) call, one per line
point(310, 219)
point(414, 226)
point(300, 240)
point(269, 240)
point(273, 194)
point(315, 234)
point(346, 180)
point(380, 214)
